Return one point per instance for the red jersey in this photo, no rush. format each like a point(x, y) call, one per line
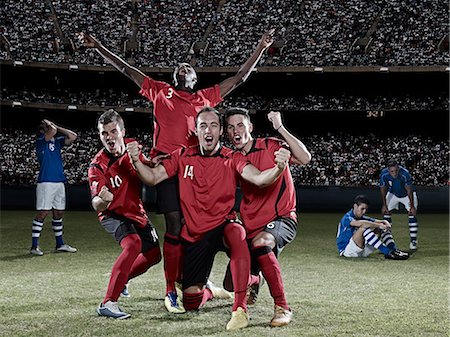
point(207, 187)
point(118, 174)
point(260, 206)
point(174, 113)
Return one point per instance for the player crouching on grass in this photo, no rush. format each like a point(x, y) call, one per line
point(359, 236)
point(208, 174)
point(116, 196)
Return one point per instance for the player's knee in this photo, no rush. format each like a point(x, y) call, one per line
point(41, 215)
point(173, 223)
point(234, 232)
point(263, 239)
point(132, 243)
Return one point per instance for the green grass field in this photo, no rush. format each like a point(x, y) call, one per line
point(57, 294)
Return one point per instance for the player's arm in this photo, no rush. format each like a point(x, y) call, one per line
point(70, 136)
point(148, 175)
point(300, 154)
point(269, 176)
point(383, 192)
point(101, 201)
point(50, 129)
point(412, 208)
point(381, 224)
point(133, 73)
point(246, 69)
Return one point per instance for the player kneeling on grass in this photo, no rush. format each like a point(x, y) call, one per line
point(359, 236)
point(207, 175)
point(116, 196)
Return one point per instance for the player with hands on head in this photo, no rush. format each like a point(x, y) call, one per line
point(208, 179)
point(268, 214)
point(359, 235)
point(175, 108)
point(116, 196)
point(50, 189)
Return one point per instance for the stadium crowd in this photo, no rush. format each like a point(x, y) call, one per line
point(310, 102)
point(338, 159)
point(161, 33)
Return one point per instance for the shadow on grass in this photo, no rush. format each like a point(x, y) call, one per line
point(18, 257)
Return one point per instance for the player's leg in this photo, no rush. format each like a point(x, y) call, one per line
point(413, 224)
point(168, 203)
point(43, 206)
point(266, 247)
point(59, 205)
point(234, 236)
point(126, 235)
point(391, 203)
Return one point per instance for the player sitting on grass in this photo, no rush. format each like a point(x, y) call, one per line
point(359, 236)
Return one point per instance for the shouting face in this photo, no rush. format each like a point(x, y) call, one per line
point(239, 130)
point(209, 131)
point(111, 136)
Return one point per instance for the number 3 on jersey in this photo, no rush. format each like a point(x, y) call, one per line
point(188, 171)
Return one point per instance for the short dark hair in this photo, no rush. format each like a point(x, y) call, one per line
point(209, 109)
point(236, 111)
point(361, 199)
point(392, 162)
point(110, 116)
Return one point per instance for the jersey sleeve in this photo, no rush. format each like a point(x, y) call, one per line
point(150, 88)
point(274, 144)
point(347, 220)
point(407, 177)
point(382, 180)
point(96, 178)
point(240, 161)
point(171, 163)
point(210, 96)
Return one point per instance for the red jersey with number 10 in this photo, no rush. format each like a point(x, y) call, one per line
point(207, 187)
point(260, 206)
point(119, 175)
point(174, 113)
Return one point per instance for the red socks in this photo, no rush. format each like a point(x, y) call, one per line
point(144, 261)
point(173, 260)
point(196, 300)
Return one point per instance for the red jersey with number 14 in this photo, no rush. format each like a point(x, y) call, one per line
point(207, 187)
point(174, 113)
point(260, 206)
point(119, 175)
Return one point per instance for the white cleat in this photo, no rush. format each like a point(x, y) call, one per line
point(65, 248)
point(218, 292)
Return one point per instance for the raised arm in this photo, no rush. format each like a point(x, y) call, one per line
point(246, 69)
point(149, 175)
point(269, 176)
point(300, 154)
point(133, 73)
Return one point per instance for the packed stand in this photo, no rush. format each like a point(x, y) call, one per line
point(312, 33)
point(338, 159)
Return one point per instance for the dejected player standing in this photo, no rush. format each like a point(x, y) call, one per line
point(116, 196)
point(269, 214)
point(175, 108)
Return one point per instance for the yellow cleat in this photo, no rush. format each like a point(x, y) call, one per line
point(173, 303)
point(281, 317)
point(218, 292)
point(239, 319)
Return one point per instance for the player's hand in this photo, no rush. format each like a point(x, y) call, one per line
point(412, 211)
point(158, 159)
point(106, 195)
point(133, 150)
point(275, 118)
point(87, 40)
point(282, 157)
point(267, 38)
point(386, 224)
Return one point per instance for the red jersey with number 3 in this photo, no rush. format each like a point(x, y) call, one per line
point(260, 206)
point(174, 113)
point(207, 187)
point(119, 175)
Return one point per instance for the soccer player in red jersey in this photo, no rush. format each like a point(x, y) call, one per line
point(269, 213)
point(116, 196)
point(174, 110)
point(208, 175)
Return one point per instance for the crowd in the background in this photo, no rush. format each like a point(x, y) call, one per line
point(338, 159)
point(346, 102)
point(161, 33)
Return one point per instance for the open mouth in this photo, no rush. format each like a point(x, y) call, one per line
point(237, 139)
point(209, 140)
point(111, 145)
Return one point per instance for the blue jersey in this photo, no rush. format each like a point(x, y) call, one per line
point(396, 185)
point(49, 157)
point(345, 230)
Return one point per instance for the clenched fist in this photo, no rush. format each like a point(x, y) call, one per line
point(282, 157)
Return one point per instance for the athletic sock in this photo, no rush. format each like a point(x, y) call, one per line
point(36, 229)
point(413, 227)
point(144, 261)
point(173, 254)
point(131, 245)
point(235, 238)
point(388, 240)
point(270, 268)
point(196, 300)
point(372, 239)
point(57, 225)
point(388, 218)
